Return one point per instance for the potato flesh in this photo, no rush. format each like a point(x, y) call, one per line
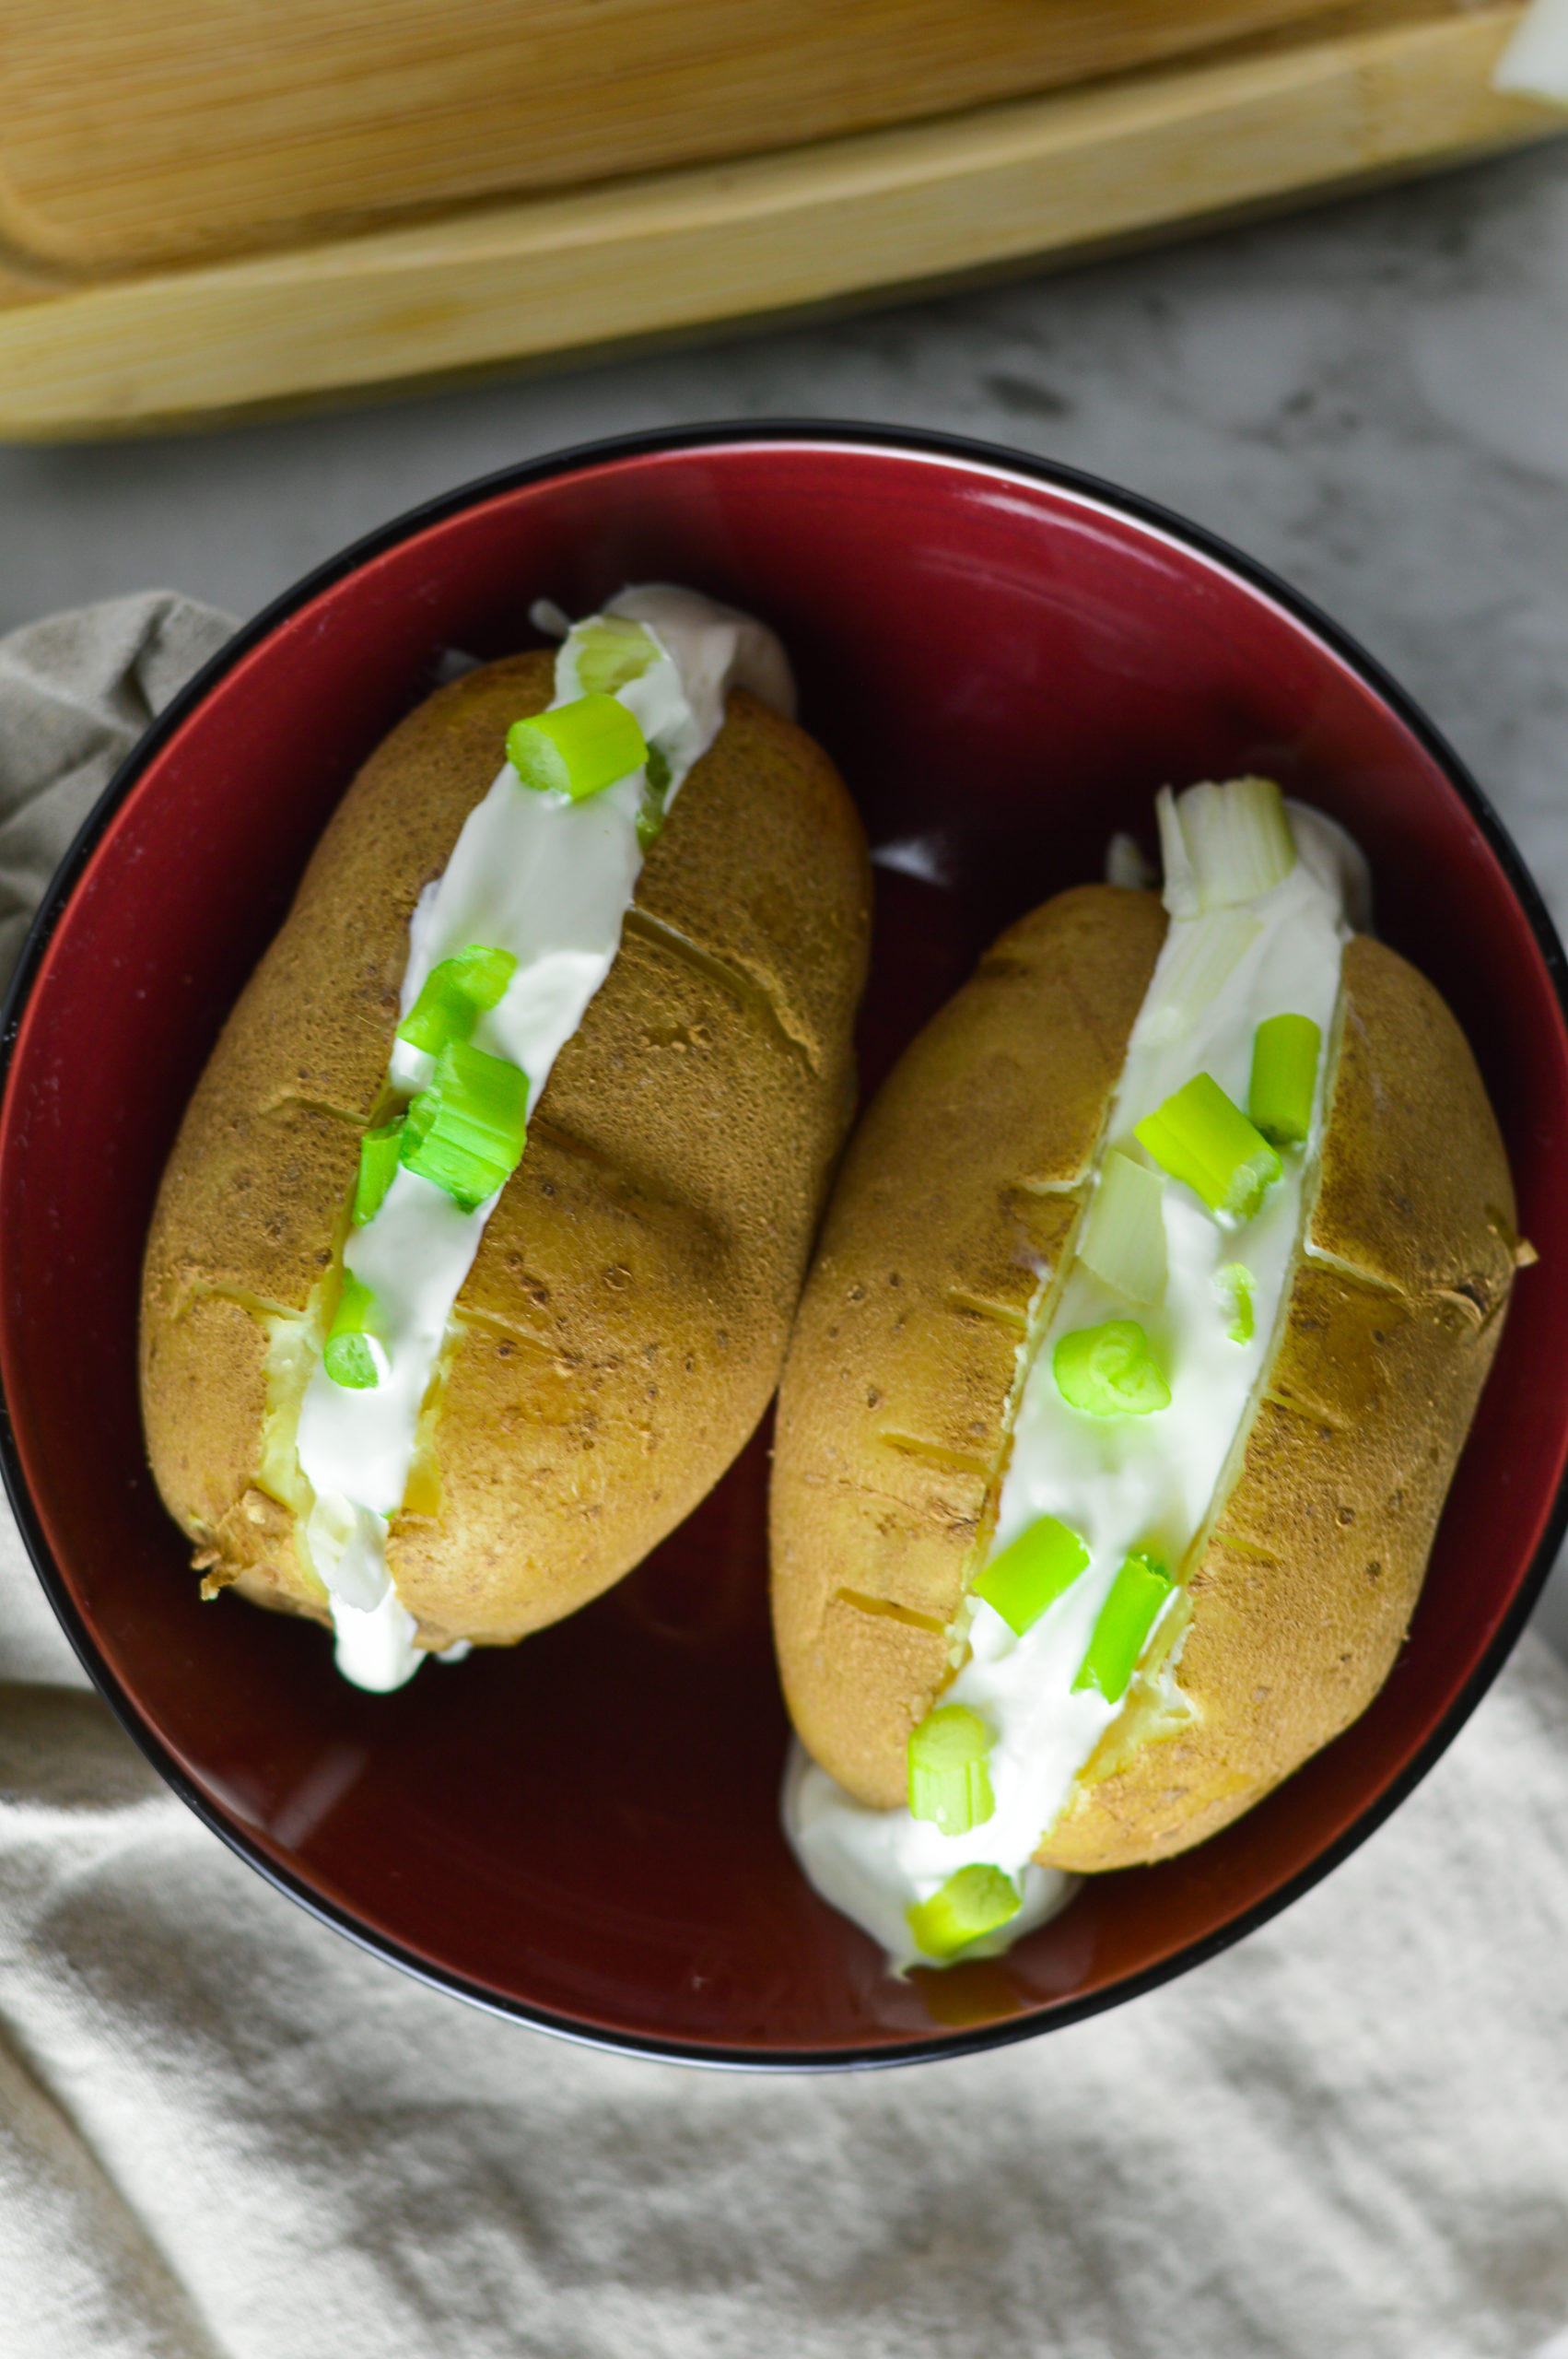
point(623, 1325)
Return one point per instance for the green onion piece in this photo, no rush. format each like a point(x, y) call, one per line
point(610, 650)
point(348, 1358)
point(377, 1161)
point(1284, 1072)
point(468, 1129)
point(1126, 1619)
point(1200, 1138)
point(1224, 844)
point(655, 794)
point(1235, 1282)
point(455, 995)
point(579, 749)
point(350, 1361)
point(356, 1304)
point(1179, 890)
point(1032, 1572)
point(1110, 1371)
point(948, 1780)
point(974, 1902)
point(1124, 1237)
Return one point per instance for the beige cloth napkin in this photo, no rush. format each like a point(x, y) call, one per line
point(226, 2134)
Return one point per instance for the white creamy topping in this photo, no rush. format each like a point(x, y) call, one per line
point(1123, 1484)
point(864, 1862)
point(1535, 63)
point(550, 881)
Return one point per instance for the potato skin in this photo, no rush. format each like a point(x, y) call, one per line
point(622, 1328)
point(1306, 1579)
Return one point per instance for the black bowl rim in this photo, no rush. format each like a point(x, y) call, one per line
point(896, 441)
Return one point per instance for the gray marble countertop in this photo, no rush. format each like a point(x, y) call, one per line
point(1371, 398)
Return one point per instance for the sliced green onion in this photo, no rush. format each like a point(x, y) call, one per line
point(468, 1129)
point(379, 1152)
point(1180, 892)
point(974, 1902)
point(1199, 1137)
point(1124, 1237)
point(948, 1780)
point(610, 650)
point(1234, 844)
point(351, 1363)
point(579, 749)
point(1110, 1371)
point(350, 1357)
point(1205, 952)
point(655, 794)
point(1126, 1619)
point(1235, 1282)
point(1032, 1572)
point(455, 995)
point(1285, 1073)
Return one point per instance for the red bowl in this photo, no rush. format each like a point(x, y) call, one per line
point(584, 1833)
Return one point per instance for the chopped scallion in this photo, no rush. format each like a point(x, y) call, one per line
point(1285, 1073)
point(1235, 1282)
point(610, 650)
point(351, 1357)
point(948, 1780)
point(1110, 1371)
point(1032, 1572)
point(655, 795)
point(1237, 842)
point(455, 995)
point(1180, 892)
point(1121, 1633)
point(579, 749)
point(467, 1130)
point(1124, 1236)
point(974, 1902)
point(350, 1361)
point(379, 1151)
point(1200, 1138)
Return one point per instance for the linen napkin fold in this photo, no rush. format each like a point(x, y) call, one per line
point(225, 2133)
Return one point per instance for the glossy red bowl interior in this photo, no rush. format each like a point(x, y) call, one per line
point(584, 1832)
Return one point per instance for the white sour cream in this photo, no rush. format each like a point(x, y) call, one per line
point(1122, 1483)
point(550, 881)
point(1535, 62)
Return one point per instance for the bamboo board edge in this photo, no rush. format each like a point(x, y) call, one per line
point(679, 255)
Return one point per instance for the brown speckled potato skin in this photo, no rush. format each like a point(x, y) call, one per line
point(623, 1326)
point(892, 1446)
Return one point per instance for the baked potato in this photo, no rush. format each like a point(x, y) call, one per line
point(953, 1241)
point(621, 1328)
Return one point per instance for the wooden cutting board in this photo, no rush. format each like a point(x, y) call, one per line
point(223, 222)
point(131, 133)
